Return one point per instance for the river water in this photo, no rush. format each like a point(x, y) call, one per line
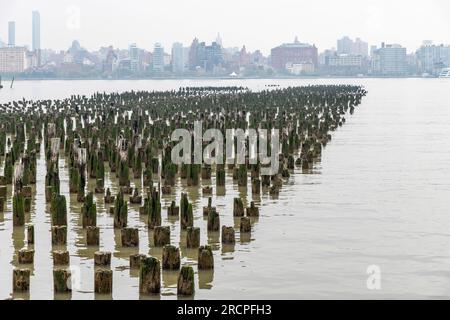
point(378, 199)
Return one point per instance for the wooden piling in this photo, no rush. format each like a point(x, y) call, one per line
point(186, 285)
point(170, 258)
point(149, 276)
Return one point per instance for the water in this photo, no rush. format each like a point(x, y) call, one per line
point(379, 196)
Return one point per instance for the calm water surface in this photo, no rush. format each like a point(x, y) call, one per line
point(379, 196)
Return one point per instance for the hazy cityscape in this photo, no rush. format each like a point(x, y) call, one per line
point(349, 58)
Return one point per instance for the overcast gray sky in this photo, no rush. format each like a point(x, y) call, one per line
point(259, 24)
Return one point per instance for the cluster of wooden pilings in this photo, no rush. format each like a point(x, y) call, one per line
point(129, 134)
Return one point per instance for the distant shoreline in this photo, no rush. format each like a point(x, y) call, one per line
point(7, 79)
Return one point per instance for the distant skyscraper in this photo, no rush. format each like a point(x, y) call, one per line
point(390, 60)
point(177, 58)
point(11, 33)
point(134, 57)
point(36, 30)
point(219, 40)
point(348, 46)
point(158, 58)
point(345, 45)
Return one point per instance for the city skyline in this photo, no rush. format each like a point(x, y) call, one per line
point(414, 23)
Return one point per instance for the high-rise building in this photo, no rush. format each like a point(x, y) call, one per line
point(293, 53)
point(158, 58)
point(36, 31)
point(433, 58)
point(13, 59)
point(11, 33)
point(219, 40)
point(345, 45)
point(390, 60)
point(177, 58)
point(348, 46)
point(134, 57)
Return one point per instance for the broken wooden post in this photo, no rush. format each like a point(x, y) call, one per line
point(256, 186)
point(186, 212)
point(135, 260)
point(252, 211)
point(102, 258)
point(205, 258)
point(129, 237)
point(245, 226)
point(213, 221)
point(89, 211)
point(170, 258)
point(25, 256)
point(61, 257)
point(21, 280)
point(18, 210)
point(238, 207)
point(30, 234)
point(92, 236)
point(228, 235)
point(62, 280)
point(186, 286)
point(59, 210)
point(103, 281)
point(108, 197)
point(193, 237)
point(161, 236)
point(149, 276)
point(120, 212)
point(173, 210)
point(59, 235)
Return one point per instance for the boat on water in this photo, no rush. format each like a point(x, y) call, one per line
point(445, 73)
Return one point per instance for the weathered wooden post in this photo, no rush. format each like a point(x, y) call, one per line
point(130, 237)
point(59, 235)
point(61, 257)
point(59, 210)
point(245, 226)
point(173, 210)
point(102, 258)
point(161, 236)
point(25, 256)
point(238, 207)
point(213, 221)
point(186, 212)
point(18, 210)
point(170, 258)
point(193, 237)
point(21, 280)
point(252, 211)
point(89, 211)
point(186, 286)
point(2, 204)
point(135, 260)
point(108, 197)
point(92, 236)
point(149, 276)
point(103, 281)
point(30, 234)
point(120, 212)
point(205, 258)
point(228, 235)
point(62, 280)
point(256, 186)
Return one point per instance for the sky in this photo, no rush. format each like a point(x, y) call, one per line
point(257, 24)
